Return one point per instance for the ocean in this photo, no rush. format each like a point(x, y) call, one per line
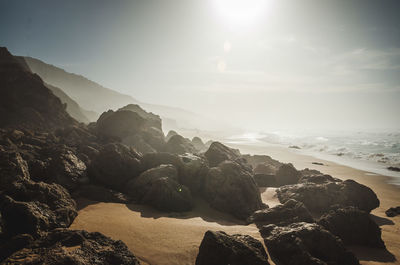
point(370, 151)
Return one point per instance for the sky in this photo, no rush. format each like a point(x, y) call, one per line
point(256, 64)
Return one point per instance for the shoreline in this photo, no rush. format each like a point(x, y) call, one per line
point(163, 238)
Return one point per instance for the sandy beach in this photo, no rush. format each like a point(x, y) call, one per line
point(158, 238)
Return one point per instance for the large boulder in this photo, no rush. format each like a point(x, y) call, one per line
point(230, 188)
point(218, 153)
point(33, 208)
point(287, 175)
point(290, 212)
point(12, 167)
point(353, 226)
point(151, 119)
point(170, 134)
point(160, 188)
point(393, 211)
point(320, 197)
point(198, 144)
point(177, 144)
point(74, 247)
point(67, 170)
point(114, 166)
point(194, 172)
point(218, 248)
point(264, 180)
point(305, 244)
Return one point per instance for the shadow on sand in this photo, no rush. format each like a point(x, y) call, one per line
point(381, 220)
point(372, 254)
point(201, 210)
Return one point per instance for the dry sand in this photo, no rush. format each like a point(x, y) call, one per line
point(157, 238)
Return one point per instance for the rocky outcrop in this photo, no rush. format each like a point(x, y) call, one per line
point(290, 212)
point(318, 179)
point(177, 144)
point(353, 226)
point(287, 175)
point(198, 144)
point(63, 246)
point(33, 208)
point(218, 153)
point(151, 119)
point(152, 160)
point(264, 180)
point(194, 172)
point(114, 166)
point(305, 244)
point(320, 197)
point(160, 188)
point(218, 248)
point(170, 134)
point(25, 101)
point(230, 188)
point(393, 211)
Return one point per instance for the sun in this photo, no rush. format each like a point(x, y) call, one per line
point(240, 12)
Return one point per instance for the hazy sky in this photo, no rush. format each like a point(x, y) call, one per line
point(256, 64)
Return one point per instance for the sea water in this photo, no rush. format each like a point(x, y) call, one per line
point(370, 151)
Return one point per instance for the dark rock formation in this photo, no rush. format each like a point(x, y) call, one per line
point(264, 180)
point(230, 188)
point(198, 144)
point(320, 197)
point(114, 166)
point(33, 208)
point(353, 226)
point(160, 188)
point(305, 244)
point(290, 212)
point(393, 211)
point(25, 101)
point(396, 169)
point(218, 248)
point(194, 172)
point(263, 164)
point(318, 179)
point(63, 246)
point(218, 153)
point(151, 119)
point(286, 175)
point(170, 134)
point(177, 144)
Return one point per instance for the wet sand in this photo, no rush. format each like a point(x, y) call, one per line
point(158, 238)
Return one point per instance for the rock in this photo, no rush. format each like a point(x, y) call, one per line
point(353, 226)
point(305, 244)
point(25, 101)
point(193, 173)
point(170, 134)
point(286, 175)
point(119, 124)
point(318, 179)
point(218, 153)
point(179, 145)
point(230, 188)
point(393, 211)
point(12, 167)
point(11, 245)
point(63, 246)
point(320, 197)
point(152, 160)
point(265, 169)
point(317, 163)
point(396, 169)
point(159, 187)
point(101, 194)
point(151, 119)
point(263, 180)
point(218, 248)
point(290, 212)
point(265, 162)
point(67, 170)
point(198, 144)
point(294, 147)
point(33, 208)
point(115, 166)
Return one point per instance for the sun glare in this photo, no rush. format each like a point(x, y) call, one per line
point(240, 13)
